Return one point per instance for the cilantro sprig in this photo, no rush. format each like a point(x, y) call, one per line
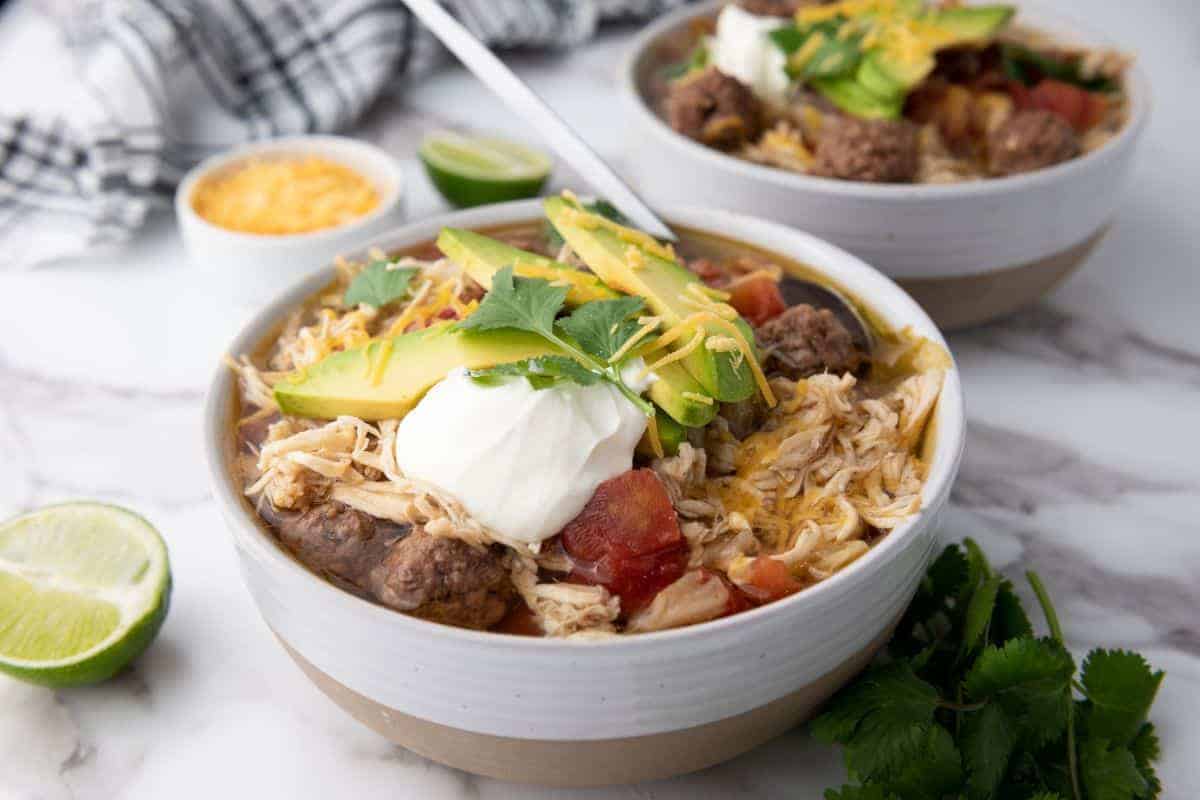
point(379, 284)
point(591, 335)
point(968, 704)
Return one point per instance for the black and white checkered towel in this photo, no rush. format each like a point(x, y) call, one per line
point(182, 79)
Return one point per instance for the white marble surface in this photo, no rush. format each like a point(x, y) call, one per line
point(1082, 461)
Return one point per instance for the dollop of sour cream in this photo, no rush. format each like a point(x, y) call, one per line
point(742, 49)
point(522, 461)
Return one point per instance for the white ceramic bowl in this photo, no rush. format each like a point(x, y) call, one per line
point(968, 252)
point(257, 265)
point(591, 712)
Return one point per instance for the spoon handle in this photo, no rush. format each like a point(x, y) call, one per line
point(533, 110)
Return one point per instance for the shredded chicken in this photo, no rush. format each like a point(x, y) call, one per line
point(828, 466)
point(565, 609)
point(299, 465)
point(698, 596)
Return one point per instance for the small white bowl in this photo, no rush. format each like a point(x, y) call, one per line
point(258, 264)
point(968, 252)
point(571, 712)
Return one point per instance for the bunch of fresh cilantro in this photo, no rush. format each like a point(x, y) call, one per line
point(589, 337)
point(969, 703)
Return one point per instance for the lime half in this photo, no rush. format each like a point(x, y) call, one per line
point(472, 171)
point(84, 588)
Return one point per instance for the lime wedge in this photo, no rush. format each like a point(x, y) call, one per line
point(472, 171)
point(84, 587)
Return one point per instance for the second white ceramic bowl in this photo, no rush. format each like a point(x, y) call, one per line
point(968, 252)
point(591, 712)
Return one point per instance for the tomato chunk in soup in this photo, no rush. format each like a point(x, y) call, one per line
point(627, 539)
point(758, 299)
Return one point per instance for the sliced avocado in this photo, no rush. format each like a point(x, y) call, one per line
point(894, 71)
point(603, 245)
point(670, 433)
point(961, 25)
point(386, 378)
point(890, 77)
point(670, 393)
point(851, 96)
point(482, 257)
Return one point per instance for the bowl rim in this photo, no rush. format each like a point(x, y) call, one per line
point(383, 166)
point(1034, 13)
point(885, 296)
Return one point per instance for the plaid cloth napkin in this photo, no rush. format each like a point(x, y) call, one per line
point(182, 79)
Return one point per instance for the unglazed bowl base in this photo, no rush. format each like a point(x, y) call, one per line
point(963, 301)
point(597, 762)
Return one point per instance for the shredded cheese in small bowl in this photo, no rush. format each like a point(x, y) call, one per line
point(261, 215)
point(284, 195)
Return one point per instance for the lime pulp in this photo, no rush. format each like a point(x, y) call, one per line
point(84, 588)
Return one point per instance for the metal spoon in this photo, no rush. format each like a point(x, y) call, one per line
point(517, 95)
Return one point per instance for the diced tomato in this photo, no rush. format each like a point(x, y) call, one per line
point(627, 539)
point(709, 271)
point(1081, 108)
point(447, 313)
point(757, 299)
point(739, 601)
point(769, 579)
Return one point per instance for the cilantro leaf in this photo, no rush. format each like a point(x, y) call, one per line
point(601, 327)
point(1009, 620)
point(882, 719)
point(948, 573)
point(927, 619)
point(978, 570)
point(531, 304)
point(979, 614)
point(542, 372)
point(1120, 688)
point(1110, 772)
point(1029, 679)
point(1028, 67)
point(834, 54)
point(988, 742)
point(379, 284)
point(936, 773)
point(523, 304)
point(1145, 752)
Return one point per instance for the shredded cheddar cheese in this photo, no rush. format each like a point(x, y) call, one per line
point(652, 434)
point(284, 196)
point(649, 324)
point(677, 355)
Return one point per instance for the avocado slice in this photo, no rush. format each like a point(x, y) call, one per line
point(670, 433)
point(854, 97)
point(961, 25)
point(886, 72)
point(661, 282)
point(891, 78)
point(482, 257)
point(670, 392)
point(386, 378)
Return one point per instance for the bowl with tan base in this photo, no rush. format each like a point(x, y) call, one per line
point(580, 712)
point(969, 252)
